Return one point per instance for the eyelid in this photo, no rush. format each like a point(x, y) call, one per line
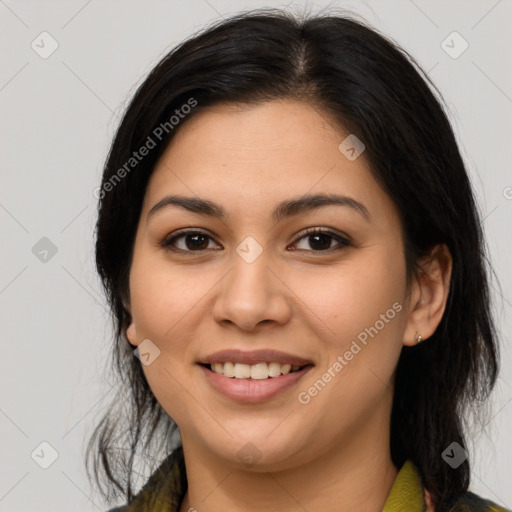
point(322, 230)
point(342, 239)
point(166, 243)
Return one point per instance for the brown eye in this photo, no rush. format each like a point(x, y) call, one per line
point(188, 241)
point(315, 240)
point(318, 240)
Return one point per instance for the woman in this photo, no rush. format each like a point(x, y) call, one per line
point(291, 249)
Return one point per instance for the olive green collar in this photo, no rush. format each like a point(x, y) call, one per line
point(167, 486)
point(407, 492)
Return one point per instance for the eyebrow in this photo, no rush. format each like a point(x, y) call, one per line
point(285, 209)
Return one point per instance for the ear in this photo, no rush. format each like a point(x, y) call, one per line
point(131, 334)
point(131, 331)
point(429, 293)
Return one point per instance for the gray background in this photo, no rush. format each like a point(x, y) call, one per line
point(58, 116)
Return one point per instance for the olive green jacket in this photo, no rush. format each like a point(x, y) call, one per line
point(167, 486)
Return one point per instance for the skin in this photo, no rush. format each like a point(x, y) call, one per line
point(333, 453)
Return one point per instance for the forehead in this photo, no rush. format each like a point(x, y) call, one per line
point(260, 154)
point(280, 129)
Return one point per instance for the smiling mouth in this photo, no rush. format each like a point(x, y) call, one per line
point(259, 371)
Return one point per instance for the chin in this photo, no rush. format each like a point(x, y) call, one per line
point(259, 453)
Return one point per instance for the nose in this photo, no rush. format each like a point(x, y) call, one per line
point(251, 295)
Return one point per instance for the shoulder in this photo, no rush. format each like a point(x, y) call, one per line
point(471, 502)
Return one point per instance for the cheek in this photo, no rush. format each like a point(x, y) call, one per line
point(351, 297)
point(162, 309)
point(164, 298)
point(361, 304)
point(354, 379)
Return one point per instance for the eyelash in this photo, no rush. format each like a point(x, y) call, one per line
point(344, 242)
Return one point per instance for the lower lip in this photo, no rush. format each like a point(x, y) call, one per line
point(253, 390)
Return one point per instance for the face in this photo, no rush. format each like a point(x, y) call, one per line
point(278, 278)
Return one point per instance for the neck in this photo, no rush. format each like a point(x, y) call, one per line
point(357, 476)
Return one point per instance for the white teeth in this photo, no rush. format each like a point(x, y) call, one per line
point(229, 369)
point(242, 371)
point(274, 370)
point(257, 371)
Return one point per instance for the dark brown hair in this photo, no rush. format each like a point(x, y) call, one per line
point(377, 91)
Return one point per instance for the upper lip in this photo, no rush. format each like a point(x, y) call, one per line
point(254, 357)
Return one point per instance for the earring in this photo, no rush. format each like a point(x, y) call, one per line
point(418, 337)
